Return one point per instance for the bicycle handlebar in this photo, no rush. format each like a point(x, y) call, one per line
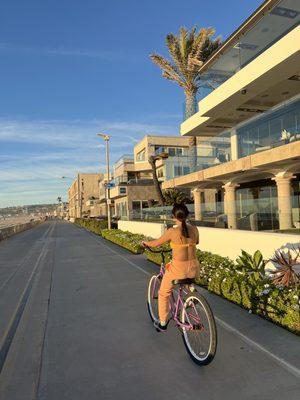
point(156, 251)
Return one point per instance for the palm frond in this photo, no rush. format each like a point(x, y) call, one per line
point(188, 50)
point(166, 66)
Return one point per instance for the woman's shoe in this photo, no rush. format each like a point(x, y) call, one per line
point(159, 327)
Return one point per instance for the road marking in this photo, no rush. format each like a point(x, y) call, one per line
point(289, 367)
point(25, 259)
point(9, 334)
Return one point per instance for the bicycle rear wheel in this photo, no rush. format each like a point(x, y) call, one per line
point(201, 340)
point(152, 300)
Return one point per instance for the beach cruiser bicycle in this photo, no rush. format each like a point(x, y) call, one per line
point(190, 312)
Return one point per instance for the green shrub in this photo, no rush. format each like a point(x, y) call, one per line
point(211, 264)
point(156, 257)
point(242, 284)
point(93, 225)
point(128, 240)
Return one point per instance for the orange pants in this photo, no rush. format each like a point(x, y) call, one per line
point(174, 270)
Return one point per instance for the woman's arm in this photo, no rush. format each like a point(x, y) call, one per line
point(166, 237)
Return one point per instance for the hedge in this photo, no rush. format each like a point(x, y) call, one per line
point(128, 240)
point(221, 275)
point(93, 225)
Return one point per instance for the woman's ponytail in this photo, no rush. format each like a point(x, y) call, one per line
point(181, 213)
point(184, 229)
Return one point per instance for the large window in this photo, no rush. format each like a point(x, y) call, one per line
point(141, 155)
point(271, 130)
point(180, 170)
point(257, 206)
point(121, 209)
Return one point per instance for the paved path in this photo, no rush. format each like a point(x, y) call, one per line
point(74, 326)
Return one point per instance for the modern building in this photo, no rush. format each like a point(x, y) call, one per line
point(134, 189)
point(250, 98)
point(83, 195)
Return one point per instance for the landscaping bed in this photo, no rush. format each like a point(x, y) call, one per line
point(234, 281)
point(242, 282)
point(92, 225)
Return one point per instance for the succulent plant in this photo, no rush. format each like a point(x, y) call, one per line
point(285, 263)
point(253, 266)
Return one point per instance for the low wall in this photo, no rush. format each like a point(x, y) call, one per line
point(151, 229)
point(225, 242)
point(5, 233)
point(230, 242)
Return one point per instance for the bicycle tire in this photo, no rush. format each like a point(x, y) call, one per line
point(152, 303)
point(196, 355)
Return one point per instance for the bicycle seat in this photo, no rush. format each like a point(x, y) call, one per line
point(187, 281)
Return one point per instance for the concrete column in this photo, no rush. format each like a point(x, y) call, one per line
point(198, 203)
point(283, 182)
point(234, 145)
point(230, 204)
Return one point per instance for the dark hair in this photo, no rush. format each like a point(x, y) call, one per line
point(181, 212)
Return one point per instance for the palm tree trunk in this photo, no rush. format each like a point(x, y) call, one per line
point(191, 109)
point(192, 154)
point(160, 195)
point(190, 103)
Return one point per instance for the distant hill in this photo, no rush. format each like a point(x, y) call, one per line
point(28, 209)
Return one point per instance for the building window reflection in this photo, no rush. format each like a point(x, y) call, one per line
point(275, 129)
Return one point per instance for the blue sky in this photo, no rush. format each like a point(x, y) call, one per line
point(69, 69)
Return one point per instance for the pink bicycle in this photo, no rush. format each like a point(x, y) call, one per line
point(190, 312)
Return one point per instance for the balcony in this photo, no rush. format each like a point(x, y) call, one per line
point(125, 158)
point(239, 50)
point(265, 76)
point(184, 165)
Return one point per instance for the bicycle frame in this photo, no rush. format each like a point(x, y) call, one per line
point(176, 305)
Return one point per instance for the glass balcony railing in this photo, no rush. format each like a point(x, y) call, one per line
point(178, 166)
point(272, 26)
point(123, 159)
point(132, 182)
point(251, 214)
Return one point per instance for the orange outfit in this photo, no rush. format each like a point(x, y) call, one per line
point(184, 264)
point(174, 270)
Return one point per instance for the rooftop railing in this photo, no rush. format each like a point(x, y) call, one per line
point(124, 158)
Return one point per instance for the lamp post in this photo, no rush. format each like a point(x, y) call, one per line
point(108, 201)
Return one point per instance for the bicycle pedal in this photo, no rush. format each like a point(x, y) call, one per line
point(198, 327)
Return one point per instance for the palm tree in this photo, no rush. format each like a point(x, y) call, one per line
point(175, 196)
point(188, 51)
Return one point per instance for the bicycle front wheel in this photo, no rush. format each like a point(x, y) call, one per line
point(152, 300)
point(200, 334)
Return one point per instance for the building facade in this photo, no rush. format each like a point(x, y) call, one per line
point(250, 96)
point(133, 189)
point(83, 195)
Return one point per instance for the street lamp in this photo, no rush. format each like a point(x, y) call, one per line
point(108, 201)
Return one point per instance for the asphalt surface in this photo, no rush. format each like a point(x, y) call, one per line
point(74, 326)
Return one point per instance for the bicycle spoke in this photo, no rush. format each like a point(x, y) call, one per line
point(200, 336)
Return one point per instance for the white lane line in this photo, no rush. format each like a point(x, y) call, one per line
point(120, 255)
point(289, 367)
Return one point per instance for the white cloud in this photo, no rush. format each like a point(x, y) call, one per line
point(56, 148)
point(62, 51)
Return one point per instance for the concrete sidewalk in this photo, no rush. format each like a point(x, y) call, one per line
point(99, 342)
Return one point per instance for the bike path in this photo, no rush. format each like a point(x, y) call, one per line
point(100, 343)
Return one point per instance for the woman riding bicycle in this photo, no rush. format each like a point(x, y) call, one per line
point(183, 239)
